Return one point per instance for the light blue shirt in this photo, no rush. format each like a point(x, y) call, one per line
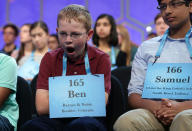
point(174, 51)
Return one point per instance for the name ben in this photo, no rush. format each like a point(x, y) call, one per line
point(73, 94)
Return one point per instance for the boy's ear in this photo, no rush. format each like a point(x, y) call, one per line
point(90, 34)
point(57, 29)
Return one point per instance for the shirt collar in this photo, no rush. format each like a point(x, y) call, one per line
point(91, 55)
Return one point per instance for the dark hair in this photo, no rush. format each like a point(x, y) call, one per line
point(151, 35)
point(113, 39)
point(157, 17)
point(13, 26)
point(187, 2)
point(40, 24)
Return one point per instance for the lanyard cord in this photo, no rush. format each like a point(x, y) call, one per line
point(87, 66)
point(162, 44)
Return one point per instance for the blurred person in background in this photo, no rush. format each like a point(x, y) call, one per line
point(105, 36)
point(39, 34)
point(151, 35)
point(26, 46)
point(10, 33)
point(160, 25)
point(127, 48)
point(53, 42)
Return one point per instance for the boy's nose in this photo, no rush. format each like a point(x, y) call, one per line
point(168, 10)
point(68, 38)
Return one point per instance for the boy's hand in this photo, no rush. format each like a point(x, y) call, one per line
point(166, 102)
point(165, 115)
point(168, 111)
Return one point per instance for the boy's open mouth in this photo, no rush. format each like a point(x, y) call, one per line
point(70, 49)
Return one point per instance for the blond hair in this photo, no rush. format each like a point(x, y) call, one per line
point(126, 43)
point(75, 12)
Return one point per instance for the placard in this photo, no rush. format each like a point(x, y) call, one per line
point(168, 80)
point(77, 96)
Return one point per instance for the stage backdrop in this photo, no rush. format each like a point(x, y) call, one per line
point(136, 15)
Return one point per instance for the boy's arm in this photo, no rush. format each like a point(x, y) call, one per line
point(136, 101)
point(4, 94)
point(185, 105)
point(8, 77)
point(42, 101)
point(136, 84)
point(42, 92)
point(107, 77)
point(104, 67)
point(106, 97)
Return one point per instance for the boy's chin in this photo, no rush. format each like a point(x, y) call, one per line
point(73, 57)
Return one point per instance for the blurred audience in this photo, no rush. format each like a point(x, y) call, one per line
point(10, 33)
point(53, 42)
point(26, 46)
point(39, 34)
point(105, 36)
point(127, 48)
point(151, 35)
point(125, 45)
point(160, 25)
point(134, 48)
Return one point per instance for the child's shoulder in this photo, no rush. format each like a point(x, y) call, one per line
point(95, 51)
point(6, 59)
point(56, 52)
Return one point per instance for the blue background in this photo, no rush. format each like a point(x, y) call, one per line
point(136, 15)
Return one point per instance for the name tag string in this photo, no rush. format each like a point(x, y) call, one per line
point(113, 60)
point(164, 40)
point(77, 95)
point(87, 66)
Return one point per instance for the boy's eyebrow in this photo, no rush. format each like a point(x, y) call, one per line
point(168, 2)
point(62, 31)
